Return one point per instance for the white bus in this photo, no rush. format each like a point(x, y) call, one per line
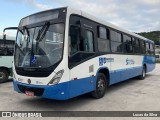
point(63, 53)
point(6, 58)
point(7, 44)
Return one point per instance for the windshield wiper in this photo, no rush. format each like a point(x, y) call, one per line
point(28, 36)
point(42, 32)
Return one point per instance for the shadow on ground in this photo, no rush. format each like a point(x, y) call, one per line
point(9, 80)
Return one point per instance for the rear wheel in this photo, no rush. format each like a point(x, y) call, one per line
point(101, 86)
point(143, 74)
point(3, 75)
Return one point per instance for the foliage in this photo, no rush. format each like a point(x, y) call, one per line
point(153, 35)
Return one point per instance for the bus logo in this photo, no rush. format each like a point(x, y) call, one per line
point(104, 60)
point(129, 61)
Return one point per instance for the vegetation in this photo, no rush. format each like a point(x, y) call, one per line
point(153, 35)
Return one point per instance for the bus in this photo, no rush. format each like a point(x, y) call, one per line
point(63, 53)
point(6, 59)
point(6, 53)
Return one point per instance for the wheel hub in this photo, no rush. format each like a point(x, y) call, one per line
point(2, 75)
point(101, 86)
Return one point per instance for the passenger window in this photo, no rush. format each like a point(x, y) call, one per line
point(88, 41)
point(127, 39)
point(152, 49)
point(102, 33)
point(113, 35)
point(147, 49)
point(80, 41)
point(127, 42)
point(6, 47)
point(103, 40)
point(142, 47)
point(74, 36)
point(80, 45)
point(136, 45)
point(116, 42)
point(103, 45)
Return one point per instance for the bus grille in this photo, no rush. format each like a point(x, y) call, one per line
point(37, 91)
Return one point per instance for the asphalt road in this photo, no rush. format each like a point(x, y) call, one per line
point(131, 95)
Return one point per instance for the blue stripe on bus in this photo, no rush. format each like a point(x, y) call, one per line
point(73, 88)
point(150, 62)
point(63, 91)
point(57, 92)
point(124, 74)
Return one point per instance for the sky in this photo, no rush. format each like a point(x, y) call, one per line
point(133, 15)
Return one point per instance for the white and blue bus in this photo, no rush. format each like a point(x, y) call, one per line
point(63, 53)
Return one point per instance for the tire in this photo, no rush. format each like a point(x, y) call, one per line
point(3, 75)
point(143, 74)
point(101, 86)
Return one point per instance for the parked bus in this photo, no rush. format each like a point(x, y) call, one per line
point(6, 58)
point(7, 44)
point(63, 53)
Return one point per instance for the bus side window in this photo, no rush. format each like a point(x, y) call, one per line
point(142, 46)
point(152, 49)
point(88, 41)
point(136, 45)
point(147, 49)
point(103, 39)
point(116, 42)
point(6, 48)
point(74, 35)
point(127, 42)
point(81, 45)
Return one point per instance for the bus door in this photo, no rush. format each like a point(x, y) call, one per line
point(81, 55)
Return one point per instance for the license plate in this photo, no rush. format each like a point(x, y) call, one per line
point(29, 93)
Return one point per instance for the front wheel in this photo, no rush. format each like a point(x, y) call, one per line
point(143, 74)
point(3, 75)
point(101, 86)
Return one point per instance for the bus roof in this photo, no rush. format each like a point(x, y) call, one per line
point(93, 18)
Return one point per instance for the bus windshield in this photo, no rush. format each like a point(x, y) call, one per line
point(39, 47)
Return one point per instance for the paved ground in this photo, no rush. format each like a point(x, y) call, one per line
point(131, 95)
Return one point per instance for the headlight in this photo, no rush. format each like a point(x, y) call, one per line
point(56, 78)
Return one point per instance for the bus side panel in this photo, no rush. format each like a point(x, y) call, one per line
point(83, 76)
point(115, 77)
point(124, 74)
point(138, 65)
point(122, 68)
point(150, 62)
point(81, 86)
point(57, 92)
point(6, 61)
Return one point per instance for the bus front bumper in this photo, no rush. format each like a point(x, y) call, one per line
point(57, 92)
